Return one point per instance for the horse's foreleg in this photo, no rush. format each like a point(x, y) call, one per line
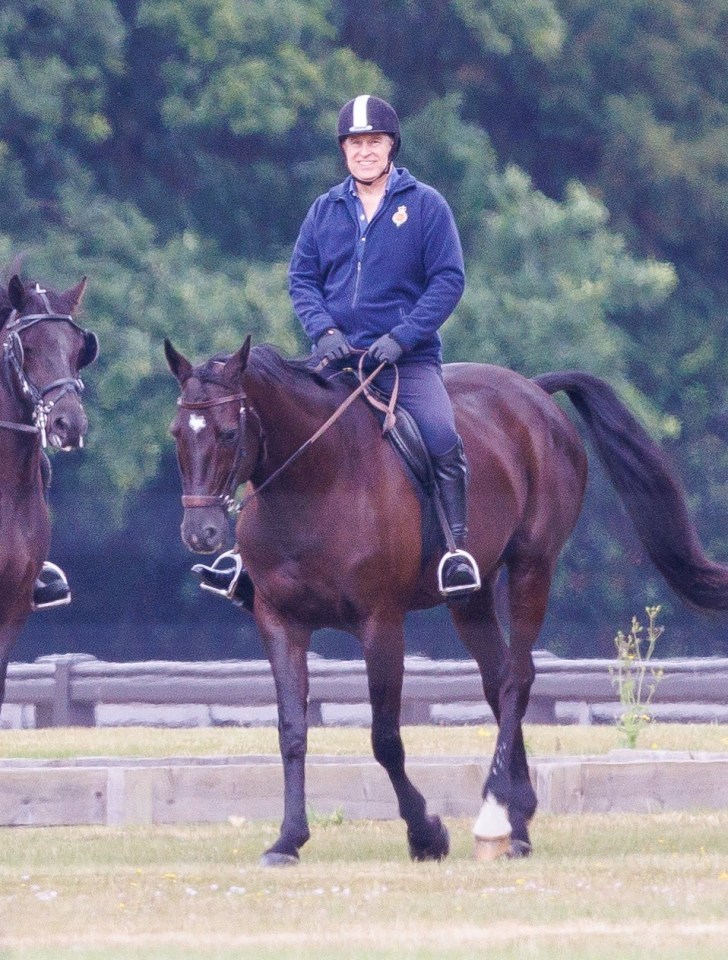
point(9, 634)
point(4, 660)
point(287, 647)
point(509, 797)
point(384, 654)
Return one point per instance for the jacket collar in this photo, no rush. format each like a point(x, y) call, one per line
point(405, 181)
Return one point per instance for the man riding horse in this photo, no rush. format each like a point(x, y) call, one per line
point(376, 270)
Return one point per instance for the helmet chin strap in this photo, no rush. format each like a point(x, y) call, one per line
point(370, 183)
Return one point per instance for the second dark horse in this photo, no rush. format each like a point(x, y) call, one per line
point(40, 401)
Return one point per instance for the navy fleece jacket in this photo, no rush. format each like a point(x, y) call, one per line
point(405, 276)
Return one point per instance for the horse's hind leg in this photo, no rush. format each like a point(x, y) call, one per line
point(510, 800)
point(479, 629)
point(384, 654)
point(477, 624)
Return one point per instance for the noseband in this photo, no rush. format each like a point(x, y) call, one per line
point(226, 497)
point(13, 360)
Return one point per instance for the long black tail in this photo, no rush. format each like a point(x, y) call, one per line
point(648, 487)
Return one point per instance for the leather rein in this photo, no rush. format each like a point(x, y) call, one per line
point(226, 498)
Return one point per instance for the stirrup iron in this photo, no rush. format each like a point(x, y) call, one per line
point(58, 577)
point(463, 589)
point(222, 564)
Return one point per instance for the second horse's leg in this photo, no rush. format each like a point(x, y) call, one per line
point(384, 654)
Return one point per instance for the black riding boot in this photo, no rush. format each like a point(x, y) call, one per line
point(228, 577)
point(51, 588)
point(458, 573)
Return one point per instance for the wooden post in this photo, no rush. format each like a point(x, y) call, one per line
point(63, 712)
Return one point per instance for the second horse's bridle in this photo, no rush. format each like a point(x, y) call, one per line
point(13, 361)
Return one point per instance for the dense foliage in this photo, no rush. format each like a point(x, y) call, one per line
point(168, 149)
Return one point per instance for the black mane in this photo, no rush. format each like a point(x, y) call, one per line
point(268, 361)
point(209, 370)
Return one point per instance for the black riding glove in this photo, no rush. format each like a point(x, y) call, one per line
point(332, 345)
point(385, 350)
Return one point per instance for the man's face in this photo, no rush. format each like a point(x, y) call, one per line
point(367, 154)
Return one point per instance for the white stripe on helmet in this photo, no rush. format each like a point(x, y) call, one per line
point(359, 119)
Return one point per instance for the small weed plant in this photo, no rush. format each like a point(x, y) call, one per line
point(634, 676)
point(333, 819)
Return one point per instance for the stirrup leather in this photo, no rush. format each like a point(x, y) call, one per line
point(465, 588)
point(59, 575)
point(221, 564)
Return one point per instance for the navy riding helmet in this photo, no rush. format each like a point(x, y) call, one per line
point(367, 114)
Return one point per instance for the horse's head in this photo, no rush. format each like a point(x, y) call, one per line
point(43, 352)
point(218, 441)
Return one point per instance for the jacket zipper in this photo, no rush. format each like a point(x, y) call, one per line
point(360, 246)
point(357, 281)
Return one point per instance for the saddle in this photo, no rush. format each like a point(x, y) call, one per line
point(405, 437)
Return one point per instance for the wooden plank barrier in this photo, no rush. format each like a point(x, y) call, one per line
point(78, 690)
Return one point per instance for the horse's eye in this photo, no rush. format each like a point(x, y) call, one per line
point(228, 437)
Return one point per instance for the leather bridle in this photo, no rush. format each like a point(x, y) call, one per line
point(13, 362)
point(226, 497)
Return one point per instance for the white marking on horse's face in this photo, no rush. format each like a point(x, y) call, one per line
point(197, 423)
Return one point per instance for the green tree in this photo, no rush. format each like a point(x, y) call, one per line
point(170, 153)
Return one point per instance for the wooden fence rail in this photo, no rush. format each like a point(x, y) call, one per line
point(78, 690)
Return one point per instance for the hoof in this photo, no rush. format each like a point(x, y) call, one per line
point(273, 859)
point(519, 849)
point(434, 846)
point(488, 849)
point(492, 831)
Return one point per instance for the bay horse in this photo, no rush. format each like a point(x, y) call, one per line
point(40, 403)
point(335, 541)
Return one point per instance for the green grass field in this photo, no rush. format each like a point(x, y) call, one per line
point(601, 887)
point(342, 741)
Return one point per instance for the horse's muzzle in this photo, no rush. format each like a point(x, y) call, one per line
point(66, 428)
point(204, 529)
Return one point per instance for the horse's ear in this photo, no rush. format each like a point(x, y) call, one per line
point(16, 292)
point(74, 295)
point(179, 365)
point(245, 353)
point(236, 364)
point(90, 349)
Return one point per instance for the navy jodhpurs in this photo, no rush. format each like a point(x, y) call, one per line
point(423, 395)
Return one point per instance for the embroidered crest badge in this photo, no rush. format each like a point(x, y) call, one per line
point(400, 216)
